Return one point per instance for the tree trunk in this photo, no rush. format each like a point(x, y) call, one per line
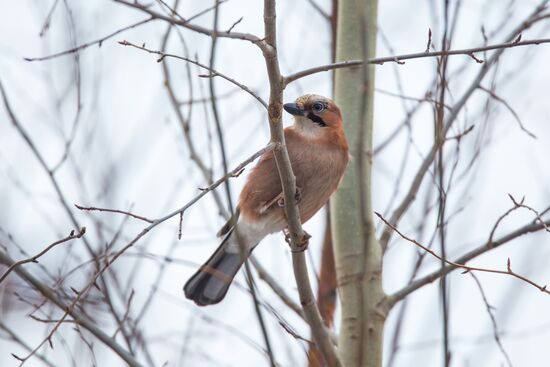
point(358, 255)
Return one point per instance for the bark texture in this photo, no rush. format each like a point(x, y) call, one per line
point(358, 255)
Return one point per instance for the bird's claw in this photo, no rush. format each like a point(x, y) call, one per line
point(303, 242)
point(297, 197)
point(287, 236)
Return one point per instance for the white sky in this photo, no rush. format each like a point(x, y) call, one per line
point(129, 146)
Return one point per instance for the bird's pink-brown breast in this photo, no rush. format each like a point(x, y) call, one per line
point(318, 164)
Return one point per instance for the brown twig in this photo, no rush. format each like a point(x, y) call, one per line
point(69, 310)
point(451, 118)
point(509, 108)
point(520, 204)
point(204, 191)
point(264, 275)
point(489, 309)
point(213, 73)
point(418, 55)
point(234, 24)
point(34, 259)
point(98, 41)
point(319, 10)
point(125, 316)
point(92, 208)
point(459, 262)
point(429, 43)
point(185, 23)
point(81, 319)
point(13, 336)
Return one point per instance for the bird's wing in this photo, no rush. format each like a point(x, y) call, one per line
point(230, 223)
point(262, 189)
point(265, 207)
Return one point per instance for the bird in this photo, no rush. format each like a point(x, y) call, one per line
point(318, 152)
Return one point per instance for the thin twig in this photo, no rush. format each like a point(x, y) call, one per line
point(264, 275)
point(185, 23)
point(98, 41)
point(81, 319)
point(467, 268)
point(213, 73)
point(509, 108)
point(410, 196)
point(92, 208)
point(489, 309)
point(34, 259)
point(392, 299)
point(13, 336)
point(69, 310)
point(418, 55)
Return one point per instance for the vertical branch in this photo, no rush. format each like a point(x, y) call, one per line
point(373, 294)
point(439, 168)
point(326, 293)
point(297, 236)
point(214, 105)
point(248, 272)
point(348, 251)
point(357, 252)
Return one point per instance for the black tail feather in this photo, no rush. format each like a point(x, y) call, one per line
point(210, 283)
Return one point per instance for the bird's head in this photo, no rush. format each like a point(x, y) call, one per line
point(313, 113)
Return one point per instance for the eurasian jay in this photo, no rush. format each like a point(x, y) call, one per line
point(318, 152)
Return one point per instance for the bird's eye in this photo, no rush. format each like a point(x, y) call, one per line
point(318, 107)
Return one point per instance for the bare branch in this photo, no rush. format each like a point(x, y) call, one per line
point(81, 319)
point(48, 19)
point(98, 41)
point(34, 259)
point(451, 118)
point(458, 263)
point(213, 73)
point(13, 336)
point(319, 10)
point(509, 108)
point(234, 24)
point(429, 44)
point(204, 191)
point(185, 23)
point(419, 55)
point(275, 287)
point(91, 208)
point(489, 309)
point(69, 310)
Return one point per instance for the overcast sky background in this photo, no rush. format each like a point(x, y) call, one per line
point(129, 150)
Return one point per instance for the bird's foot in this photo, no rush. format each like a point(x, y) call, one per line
point(297, 197)
point(287, 236)
point(302, 244)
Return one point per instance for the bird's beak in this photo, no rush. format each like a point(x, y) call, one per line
point(294, 109)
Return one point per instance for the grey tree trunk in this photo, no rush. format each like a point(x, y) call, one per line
point(358, 255)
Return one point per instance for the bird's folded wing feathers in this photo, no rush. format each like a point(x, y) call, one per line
point(230, 223)
point(265, 207)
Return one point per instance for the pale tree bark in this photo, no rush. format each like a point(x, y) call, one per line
point(358, 255)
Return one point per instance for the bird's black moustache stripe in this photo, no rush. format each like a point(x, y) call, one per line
point(319, 121)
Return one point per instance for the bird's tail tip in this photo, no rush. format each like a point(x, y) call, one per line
point(210, 283)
